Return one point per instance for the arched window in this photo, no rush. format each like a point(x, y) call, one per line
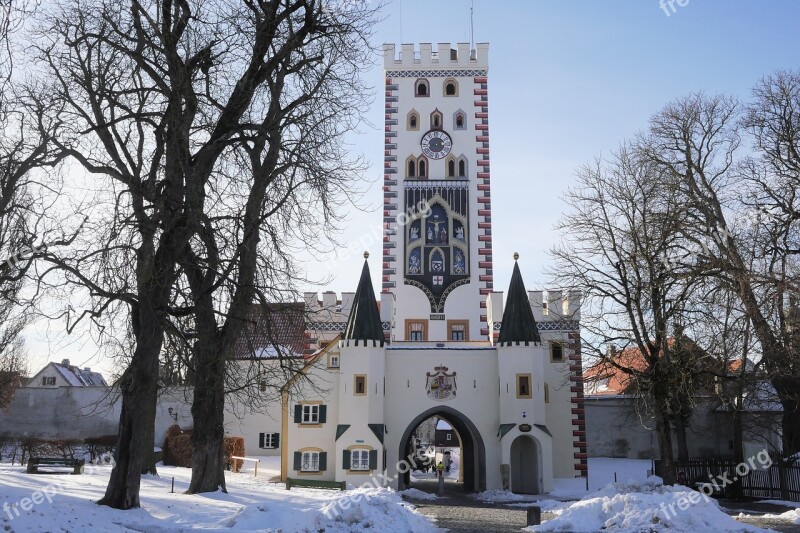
point(451, 169)
point(450, 87)
point(423, 171)
point(459, 120)
point(421, 88)
point(462, 168)
point(411, 168)
point(436, 120)
point(413, 121)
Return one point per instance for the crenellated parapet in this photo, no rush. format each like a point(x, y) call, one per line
point(445, 57)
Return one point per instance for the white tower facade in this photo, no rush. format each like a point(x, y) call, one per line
point(437, 251)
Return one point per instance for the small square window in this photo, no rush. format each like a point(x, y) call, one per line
point(270, 441)
point(449, 437)
point(360, 385)
point(333, 361)
point(417, 330)
point(359, 460)
point(310, 462)
point(310, 414)
point(458, 330)
point(524, 386)
point(556, 352)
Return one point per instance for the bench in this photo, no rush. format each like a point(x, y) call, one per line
point(35, 462)
point(315, 484)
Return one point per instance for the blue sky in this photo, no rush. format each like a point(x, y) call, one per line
point(568, 81)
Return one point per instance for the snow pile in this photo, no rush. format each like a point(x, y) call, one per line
point(497, 495)
point(792, 516)
point(643, 506)
point(416, 494)
point(381, 509)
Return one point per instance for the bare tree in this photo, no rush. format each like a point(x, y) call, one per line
point(695, 141)
point(25, 147)
point(286, 177)
point(167, 101)
point(622, 246)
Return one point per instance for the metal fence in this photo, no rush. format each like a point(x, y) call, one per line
point(779, 481)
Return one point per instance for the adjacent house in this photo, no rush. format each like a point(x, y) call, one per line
point(64, 374)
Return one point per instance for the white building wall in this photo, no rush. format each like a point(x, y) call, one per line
point(477, 384)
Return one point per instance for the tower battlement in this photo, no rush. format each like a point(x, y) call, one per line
point(444, 57)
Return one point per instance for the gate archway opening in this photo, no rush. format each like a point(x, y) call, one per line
point(472, 460)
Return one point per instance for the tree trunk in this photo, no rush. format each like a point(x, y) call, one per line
point(138, 387)
point(680, 434)
point(664, 438)
point(149, 436)
point(788, 389)
point(208, 409)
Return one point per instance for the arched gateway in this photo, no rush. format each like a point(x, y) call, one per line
point(473, 454)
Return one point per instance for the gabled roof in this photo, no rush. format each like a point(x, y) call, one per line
point(364, 323)
point(518, 323)
point(274, 330)
point(75, 376)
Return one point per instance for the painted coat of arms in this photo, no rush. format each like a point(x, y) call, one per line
point(440, 385)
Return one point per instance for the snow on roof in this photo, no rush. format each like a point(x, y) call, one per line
point(79, 377)
point(443, 425)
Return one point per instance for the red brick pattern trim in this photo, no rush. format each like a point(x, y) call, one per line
point(578, 410)
point(485, 272)
point(389, 185)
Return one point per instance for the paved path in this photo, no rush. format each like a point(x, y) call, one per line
point(461, 514)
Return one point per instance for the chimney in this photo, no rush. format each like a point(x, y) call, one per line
point(65, 362)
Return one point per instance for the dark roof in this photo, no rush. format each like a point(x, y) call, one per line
point(278, 327)
point(518, 323)
point(80, 377)
point(364, 323)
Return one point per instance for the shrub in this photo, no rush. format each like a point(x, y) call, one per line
point(178, 449)
point(233, 446)
point(97, 446)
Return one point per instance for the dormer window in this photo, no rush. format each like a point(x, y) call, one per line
point(421, 88)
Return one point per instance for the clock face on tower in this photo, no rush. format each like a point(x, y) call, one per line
point(436, 144)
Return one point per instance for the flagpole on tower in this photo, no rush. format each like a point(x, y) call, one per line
point(471, 24)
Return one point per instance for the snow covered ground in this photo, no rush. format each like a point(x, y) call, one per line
point(51, 502)
point(641, 506)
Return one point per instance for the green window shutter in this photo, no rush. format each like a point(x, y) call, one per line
point(323, 412)
point(260, 440)
point(373, 459)
point(323, 461)
point(277, 440)
point(346, 459)
point(298, 460)
point(298, 413)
